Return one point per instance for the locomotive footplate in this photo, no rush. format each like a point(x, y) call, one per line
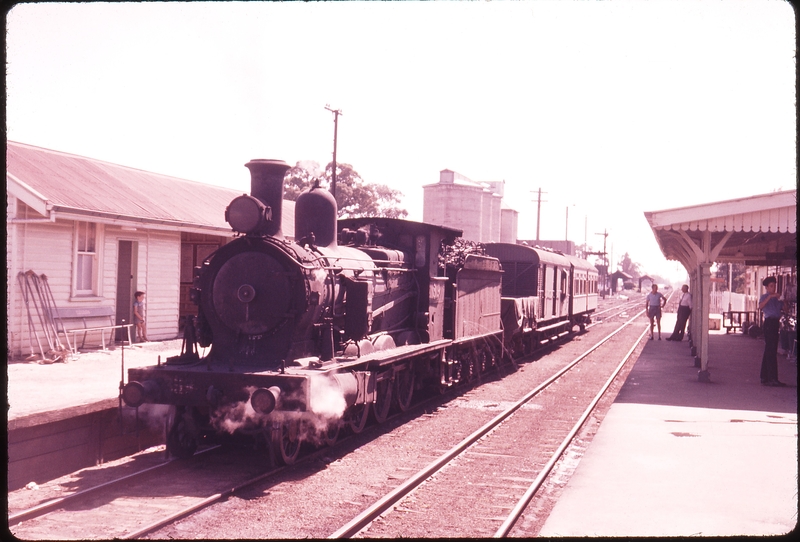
point(199, 387)
point(382, 358)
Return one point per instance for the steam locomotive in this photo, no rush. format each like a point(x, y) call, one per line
point(346, 323)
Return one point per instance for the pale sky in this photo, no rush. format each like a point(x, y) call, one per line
point(612, 108)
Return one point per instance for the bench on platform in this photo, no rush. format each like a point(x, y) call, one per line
point(735, 319)
point(87, 319)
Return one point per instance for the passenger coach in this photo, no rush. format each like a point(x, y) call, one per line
point(544, 293)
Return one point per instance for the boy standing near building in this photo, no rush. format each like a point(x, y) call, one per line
point(138, 317)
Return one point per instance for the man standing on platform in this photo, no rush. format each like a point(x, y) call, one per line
point(771, 305)
point(655, 301)
point(684, 310)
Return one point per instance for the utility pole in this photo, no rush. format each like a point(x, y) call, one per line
point(336, 113)
point(538, 212)
point(605, 261)
point(566, 228)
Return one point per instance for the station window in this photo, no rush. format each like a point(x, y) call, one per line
point(85, 268)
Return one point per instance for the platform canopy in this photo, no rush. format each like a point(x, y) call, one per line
point(759, 230)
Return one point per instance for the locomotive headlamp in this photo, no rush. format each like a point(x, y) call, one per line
point(136, 393)
point(246, 214)
point(264, 400)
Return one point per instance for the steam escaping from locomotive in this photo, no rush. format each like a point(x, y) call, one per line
point(328, 398)
point(331, 395)
point(231, 418)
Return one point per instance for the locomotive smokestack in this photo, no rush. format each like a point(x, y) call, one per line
point(266, 185)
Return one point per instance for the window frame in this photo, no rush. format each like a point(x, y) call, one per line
point(80, 252)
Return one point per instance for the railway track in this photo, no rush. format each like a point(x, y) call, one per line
point(141, 502)
point(118, 509)
point(312, 506)
point(483, 471)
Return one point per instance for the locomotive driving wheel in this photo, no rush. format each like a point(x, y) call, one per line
point(383, 397)
point(331, 433)
point(356, 417)
point(286, 438)
point(182, 437)
point(404, 387)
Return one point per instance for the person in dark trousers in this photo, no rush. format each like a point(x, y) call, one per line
point(771, 305)
point(654, 303)
point(684, 310)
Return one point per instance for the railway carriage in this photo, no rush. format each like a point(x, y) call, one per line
point(583, 294)
point(545, 294)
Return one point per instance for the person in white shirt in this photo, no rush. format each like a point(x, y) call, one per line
point(684, 310)
point(655, 301)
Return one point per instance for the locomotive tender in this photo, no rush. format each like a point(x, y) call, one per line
point(311, 336)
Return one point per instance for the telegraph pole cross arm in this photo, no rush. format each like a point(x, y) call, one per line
point(336, 113)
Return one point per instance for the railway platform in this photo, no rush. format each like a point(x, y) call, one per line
point(83, 384)
point(677, 457)
point(65, 416)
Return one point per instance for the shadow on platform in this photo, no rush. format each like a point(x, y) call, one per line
point(665, 374)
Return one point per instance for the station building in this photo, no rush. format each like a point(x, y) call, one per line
point(476, 208)
point(99, 232)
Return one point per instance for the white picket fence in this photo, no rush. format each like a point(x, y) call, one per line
point(738, 302)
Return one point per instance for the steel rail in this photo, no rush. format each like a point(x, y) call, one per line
point(219, 496)
point(517, 511)
point(361, 521)
point(222, 495)
point(619, 308)
point(49, 506)
point(622, 308)
point(202, 504)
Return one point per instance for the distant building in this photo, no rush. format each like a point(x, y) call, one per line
point(474, 207)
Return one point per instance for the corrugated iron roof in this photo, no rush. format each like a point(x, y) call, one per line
point(76, 183)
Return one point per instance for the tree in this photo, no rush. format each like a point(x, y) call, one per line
point(300, 177)
point(355, 197)
point(629, 266)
